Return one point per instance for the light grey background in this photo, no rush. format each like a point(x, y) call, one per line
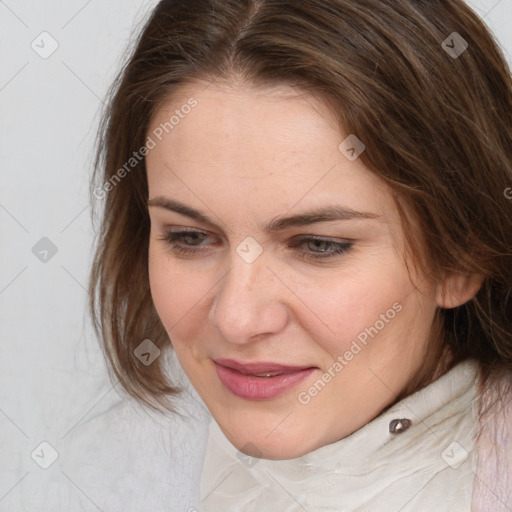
point(52, 375)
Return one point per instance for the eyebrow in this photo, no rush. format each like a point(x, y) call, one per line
point(322, 214)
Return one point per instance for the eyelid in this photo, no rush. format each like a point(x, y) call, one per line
point(324, 238)
point(176, 230)
point(168, 230)
point(301, 237)
point(182, 229)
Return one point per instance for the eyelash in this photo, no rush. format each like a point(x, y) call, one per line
point(338, 248)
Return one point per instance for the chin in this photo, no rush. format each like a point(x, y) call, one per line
point(280, 452)
point(282, 446)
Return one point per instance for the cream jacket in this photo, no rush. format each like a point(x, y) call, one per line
point(446, 448)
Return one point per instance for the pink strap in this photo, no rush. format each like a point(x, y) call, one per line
point(492, 490)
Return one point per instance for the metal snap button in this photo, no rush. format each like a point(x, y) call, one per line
point(399, 425)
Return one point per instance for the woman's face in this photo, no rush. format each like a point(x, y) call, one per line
point(273, 250)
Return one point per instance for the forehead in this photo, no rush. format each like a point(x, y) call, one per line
point(231, 119)
point(275, 146)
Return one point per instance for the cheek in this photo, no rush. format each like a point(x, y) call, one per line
point(178, 295)
point(348, 308)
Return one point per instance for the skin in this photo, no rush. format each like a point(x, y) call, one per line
point(244, 157)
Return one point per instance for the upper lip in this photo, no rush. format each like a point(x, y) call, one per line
point(259, 367)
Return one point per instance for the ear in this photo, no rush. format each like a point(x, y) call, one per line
point(457, 289)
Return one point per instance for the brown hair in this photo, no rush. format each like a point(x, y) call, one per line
point(437, 128)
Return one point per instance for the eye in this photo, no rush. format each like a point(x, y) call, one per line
point(315, 245)
point(190, 242)
point(316, 248)
point(192, 239)
point(187, 242)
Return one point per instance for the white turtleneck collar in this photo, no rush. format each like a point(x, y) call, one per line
point(429, 466)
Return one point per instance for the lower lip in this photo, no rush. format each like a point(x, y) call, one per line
point(259, 388)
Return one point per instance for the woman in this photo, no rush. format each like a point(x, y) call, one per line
point(307, 200)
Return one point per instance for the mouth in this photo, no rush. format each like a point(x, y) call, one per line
point(259, 381)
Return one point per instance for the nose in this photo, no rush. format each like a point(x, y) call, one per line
point(249, 303)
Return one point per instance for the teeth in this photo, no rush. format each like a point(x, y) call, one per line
point(266, 374)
